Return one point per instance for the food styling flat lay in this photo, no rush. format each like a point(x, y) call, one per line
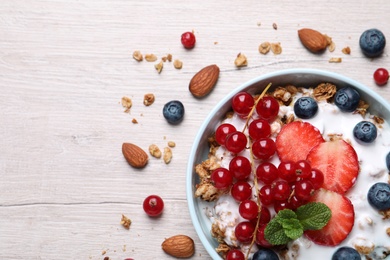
point(248, 130)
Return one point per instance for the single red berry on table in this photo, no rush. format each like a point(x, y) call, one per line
point(153, 205)
point(235, 254)
point(188, 40)
point(241, 190)
point(222, 178)
point(381, 76)
point(223, 131)
point(244, 231)
point(242, 103)
point(240, 167)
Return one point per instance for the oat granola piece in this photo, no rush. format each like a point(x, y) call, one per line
point(137, 55)
point(328, 39)
point(164, 58)
point(177, 64)
point(264, 47)
point(126, 103)
point(385, 213)
point(169, 57)
point(346, 50)
point(282, 95)
point(335, 60)
point(207, 191)
point(324, 91)
point(362, 108)
point(149, 99)
point(150, 57)
point(125, 222)
point(241, 60)
point(155, 151)
point(217, 232)
point(388, 231)
point(276, 48)
point(378, 120)
point(167, 155)
point(159, 66)
point(223, 249)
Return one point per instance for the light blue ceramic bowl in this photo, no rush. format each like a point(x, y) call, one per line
point(200, 148)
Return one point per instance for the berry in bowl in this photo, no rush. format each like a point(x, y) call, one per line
point(292, 165)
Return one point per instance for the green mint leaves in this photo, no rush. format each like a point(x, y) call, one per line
point(288, 225)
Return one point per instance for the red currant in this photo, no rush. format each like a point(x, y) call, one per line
point(287, 171)
point(260, 238)
point(303, 169)
point(280, 205)
point(248, 209)
point(223, 131)
point(242, 103)
point(381, 76)
point(188, 40)
point(236, 142)
point(294, 202)
point(264, 148)
point(235, 254)
point(267, 108)
point(266, 172)
point(240, 167)
point(316, 178)
point(303, 189)
point(153, 205)
point(265, 215)
point(280, 190)
point(241, 190)
point(222, 178)
point(244, 231)
point(266, 196)
point(259, 128)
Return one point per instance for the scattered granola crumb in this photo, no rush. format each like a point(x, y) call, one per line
point(125, 222)
point(164, 58)
point(149, 99)
point(346, 50)
point(258, 23)
point(328, 39)
point(215, 43)
point(178, 64)
point(137, 56)
point(171, 144)
point(159, 66)
point(332, 46)
point(154, 151)
point(264, 47)
point(335, 60)
point(134, 121)
point(104, 252)
point(150, 57)
point(241, 60)
point(275, 26)
point(169, 57)
point(126, 103)
point(276, 48)
point(124, 248)
point(388, 231)
point(167, 155)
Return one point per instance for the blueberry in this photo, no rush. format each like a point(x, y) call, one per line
point(365, 132)
point(346, 253)
point(388, 161)
point(173, 112)
point(347, 99)
point(305, 107)
point(379, 196)
point(372, 42)
point(265, 254)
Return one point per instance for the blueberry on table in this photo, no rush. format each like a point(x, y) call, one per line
point(265, 254)
point(365, 132)
point(347, 99)
point(372, 42)
point(305, 107)
point(173, 112)
point(346, 253)
point(379, 196)
point(388, 161)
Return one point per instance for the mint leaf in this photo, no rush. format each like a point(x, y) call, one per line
point(313, 215)
point(292, 228)
point(274, 233)
point(286, 214)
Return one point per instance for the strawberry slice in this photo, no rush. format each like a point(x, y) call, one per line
point(340, 223)
point(296, 139)
point(338, 162)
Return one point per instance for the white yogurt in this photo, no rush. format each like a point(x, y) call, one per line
point(369, 227)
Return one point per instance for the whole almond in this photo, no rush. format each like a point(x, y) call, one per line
point(180, 246)
point(134, 155)
point(204, 81)
point(313, 40)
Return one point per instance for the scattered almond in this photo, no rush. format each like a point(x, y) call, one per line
point(346, 50)
point(159, 66)
point(204, 81)
point(276, 48)
point(150, 57)
point(149, 99)
point(335, 60)
point(180, 246)
point(134, 155)
point(241, 60)
point(167, 155)
point(313, 40)
point(264, 47)
point(125, 222)
point(137, 56)
point(154, 151)
point(126, 103)
point(177, 64)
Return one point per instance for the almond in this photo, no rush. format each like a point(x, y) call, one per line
point(204, 81)
point(180, 246)
point(313, 40)
point(134, 155)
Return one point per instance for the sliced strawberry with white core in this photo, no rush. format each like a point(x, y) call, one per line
point(340, 223)
point(338, 162)
point(296, 139)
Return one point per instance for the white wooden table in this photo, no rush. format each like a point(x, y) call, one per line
point(64, 67)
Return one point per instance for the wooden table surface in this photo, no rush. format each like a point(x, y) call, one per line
point(65, 66)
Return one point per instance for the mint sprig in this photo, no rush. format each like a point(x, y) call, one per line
point(288, 225)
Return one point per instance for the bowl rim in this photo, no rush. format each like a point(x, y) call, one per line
point(190, 163)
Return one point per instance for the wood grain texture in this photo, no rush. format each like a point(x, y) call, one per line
point(64, 67)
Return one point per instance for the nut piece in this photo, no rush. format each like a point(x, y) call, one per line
point(180, 246)
point(137, 56)
point(126, 103)
point(313, 40)
point(335, 60)
point(346, 50)
point(125, 222)
point(171, 144)
point(241, 60)
point(204, 81)
point(150, 57)
point(148, 99)
point(167, 155)
point(264, 47)
point(134, 155)
point(154, 151)
point(178, 64)
point(159, 66)
point(169, 57)
point(276, 48)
